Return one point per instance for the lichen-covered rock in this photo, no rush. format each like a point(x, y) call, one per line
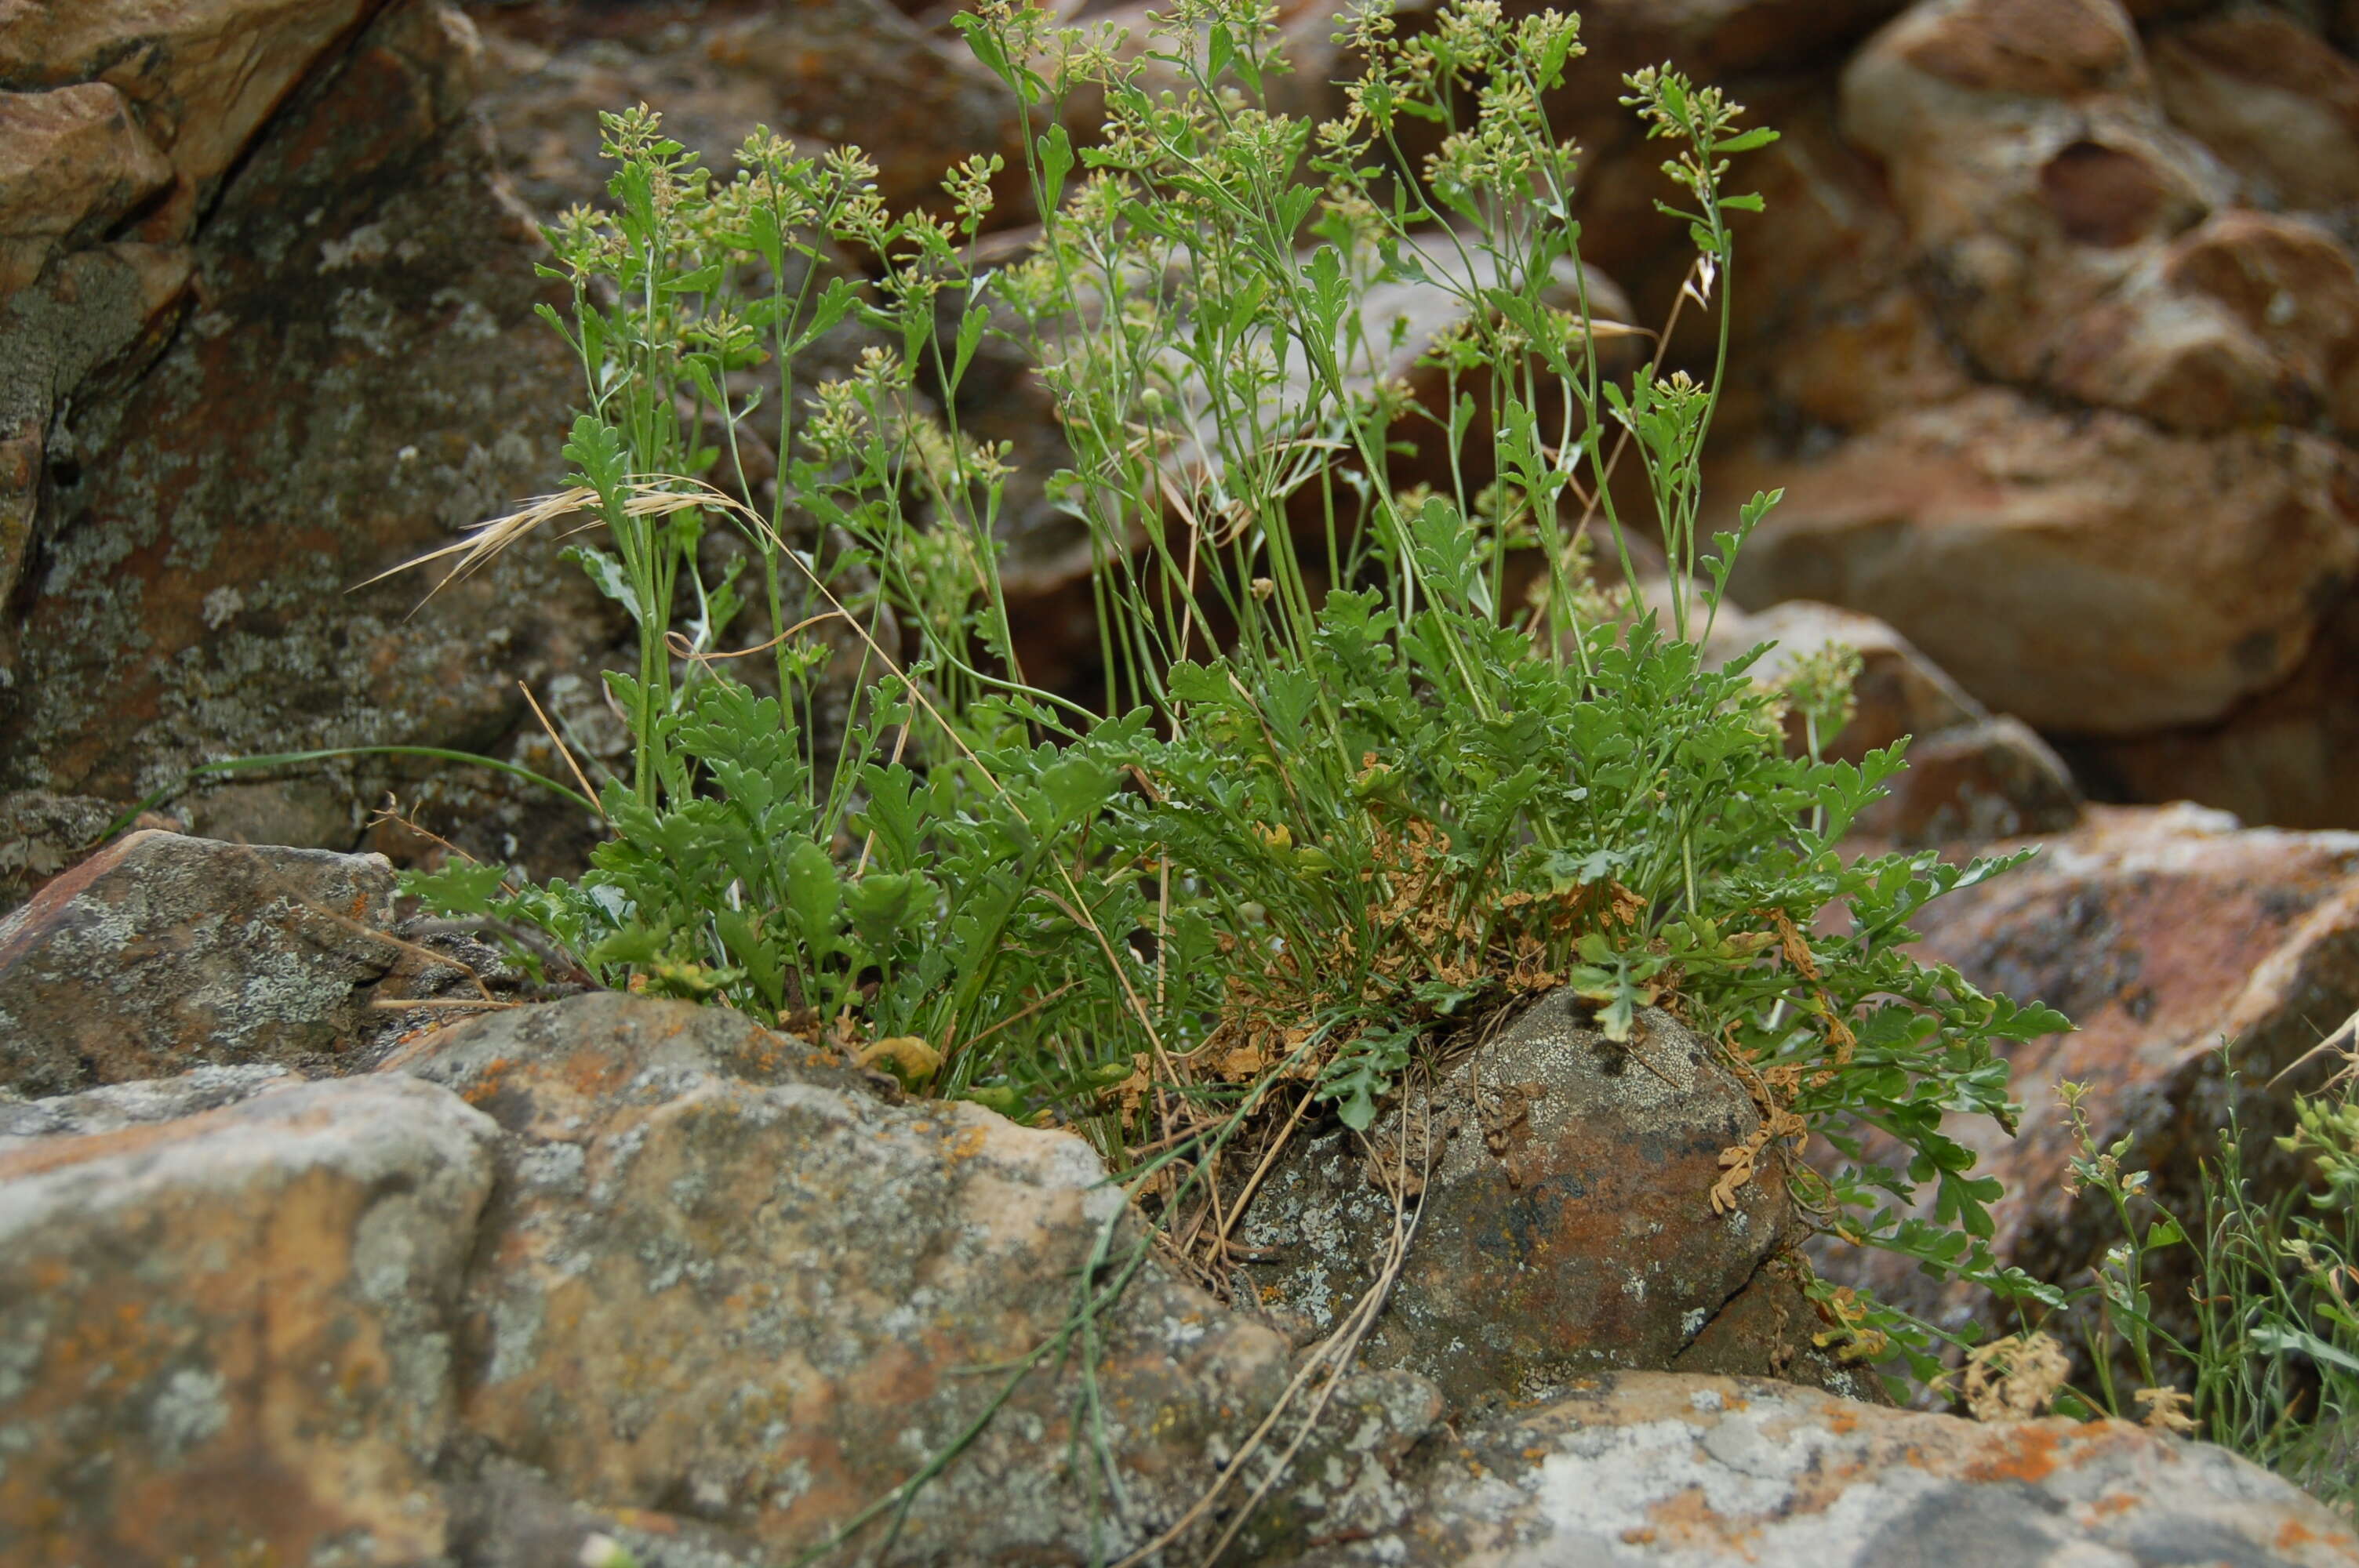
point(227, 1338)
point(362, 377)
point(42, 834)
point(162, 953)
point(118, 1105)
point(728, 1278)
point(2160, 933)
point(1566, 1221)
point(1642, 1470)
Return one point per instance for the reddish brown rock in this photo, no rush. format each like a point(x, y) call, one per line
point(2050, 200)
point(227, 1338)
point(1566, 1224)
point(2286, 757)
point(2161, 934)
point(1898, 692)
point(2032, 185)
point(2294, 288)
point(163, 953)
point(71, 162)
point(842, 71)
point(1717, 39)
point(1971, 776)
point(2041, 48)
point(731, 1281)
point(2274, 99)
point(204, 73)
point(2088, 574)
point(1993, 778)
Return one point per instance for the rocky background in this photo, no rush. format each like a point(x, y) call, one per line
point(2051, 333)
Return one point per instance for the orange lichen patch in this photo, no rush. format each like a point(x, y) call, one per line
point(2110, 1504)
point(1843, 1422)
point(260, 1332)
point(2026, 1451)
point(593, 1075)
point(968, 1143)
point(1686, 1516)
point(2294, 1533)
point(488, 1082)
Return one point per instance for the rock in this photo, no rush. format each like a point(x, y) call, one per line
point(162, 953)
point(227, 1338)
point(2274, 99)
point(728, 1279)
point(2286, 757)
point(2160, 933)
point(2053, 206)
point(139, 1103)
point(1766, 1330)
point(205, 74)
point(1685, 1472)
point(71, 162)
point(1898, 692)
point(844, 71)
point(1713, 41)
point(2087, 573)
point(364, 377)
point(1992, 778)
point(506, 1515)
point(1567, 1222)
point(1971, 776)
point(42, 834)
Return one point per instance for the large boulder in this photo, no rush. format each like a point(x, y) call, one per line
point(228, 1337)
point(2165, 934)
point(2086, 572)
point(726, 1278)
point(1641, 1470)
point(311, 355)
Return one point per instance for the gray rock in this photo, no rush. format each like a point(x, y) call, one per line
point(1567, 1224)
point(227, 1338)
point(1642, 1470)
point(118, 1106)
point(730, 1278)
point(163, 952)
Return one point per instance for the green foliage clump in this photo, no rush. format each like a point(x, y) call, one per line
point(2263, 1357)
point(1380, 756)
